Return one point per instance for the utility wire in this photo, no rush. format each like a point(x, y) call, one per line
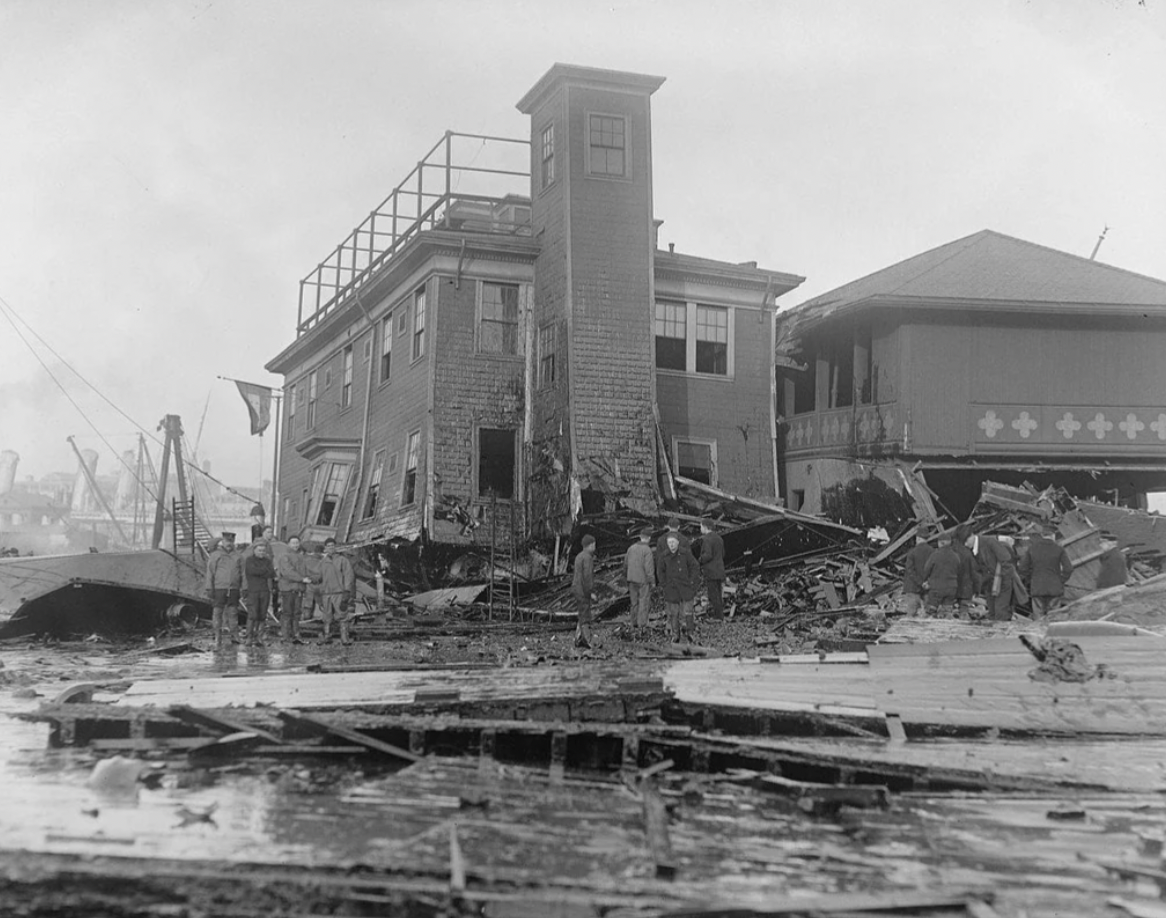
point(5, 311)
point(100, 394)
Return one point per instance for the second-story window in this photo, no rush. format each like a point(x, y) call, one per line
point(374, 486)
point(498, 329)
point(712, 340)
point(607, 145)
point(671, 335)
point(346, 378)
point(419, 323)
point(387, 347)
point(548, 155)
point(291, 416)
point(409, 488)
point(546, 356)
point(333, 494)
point(313, 382)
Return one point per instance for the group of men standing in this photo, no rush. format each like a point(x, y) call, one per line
point(943, 580)
point(257, 578)
point(672, 566)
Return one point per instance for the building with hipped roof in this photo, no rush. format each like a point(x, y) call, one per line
point(988, 358)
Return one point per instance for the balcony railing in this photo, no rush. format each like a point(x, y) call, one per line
point(468, 182)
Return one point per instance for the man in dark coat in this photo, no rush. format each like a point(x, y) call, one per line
point(969, 583)
point(661, 548)
point(913, 577)
point(678, 574)
point(1045, 568)
point(258, 577)
point(941, 577)
point(995, 567)
point(712, 565)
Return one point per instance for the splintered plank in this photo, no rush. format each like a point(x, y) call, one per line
point(354, 737)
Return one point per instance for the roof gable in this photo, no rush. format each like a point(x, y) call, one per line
point(991, 267)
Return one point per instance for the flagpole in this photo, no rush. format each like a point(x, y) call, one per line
point(278, 399)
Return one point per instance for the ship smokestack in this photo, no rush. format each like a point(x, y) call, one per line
point(8, 462)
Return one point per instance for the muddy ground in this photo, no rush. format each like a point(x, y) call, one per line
point(310, 838)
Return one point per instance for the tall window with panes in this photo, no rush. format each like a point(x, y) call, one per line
point(412, 454)
point(671, 335)
point(419, 323)
point(546, 356)
point(548, 155)
point(290, 431)
point(498, 331)
point(607, 145)
point(374, 486)
point(346, 378)
point(313, 382)
point(328, 502)
point(387, 347)
point(712, 340)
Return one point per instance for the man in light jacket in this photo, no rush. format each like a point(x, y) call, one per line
point(338, 584)
point(292, 570)
point(224, 579)
point(640, 570)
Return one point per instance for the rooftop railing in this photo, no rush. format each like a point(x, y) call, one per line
point(468, 182)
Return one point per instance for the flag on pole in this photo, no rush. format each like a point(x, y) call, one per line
point(258, 399)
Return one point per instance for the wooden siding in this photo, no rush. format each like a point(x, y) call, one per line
point(733, 411)
point(1035, 388)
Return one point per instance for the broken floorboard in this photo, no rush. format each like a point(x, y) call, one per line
point(971, 765)
point(963, 685)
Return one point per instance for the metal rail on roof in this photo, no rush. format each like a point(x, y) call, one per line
point(429, 197)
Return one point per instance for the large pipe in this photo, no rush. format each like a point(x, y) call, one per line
point(8, 462)
point(82, 498)
point(127, 483)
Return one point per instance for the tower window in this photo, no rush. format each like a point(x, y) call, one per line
point(548, 155)
point(607, 145)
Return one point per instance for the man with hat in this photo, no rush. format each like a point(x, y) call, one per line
point(678, 574)
point(583, 590)
point(640, 569)
point(1045, 568)
point(712, 565)
point(941, 578)
point(339, 588)
point(223, 581)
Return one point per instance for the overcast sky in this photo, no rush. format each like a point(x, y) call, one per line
point(170, 170)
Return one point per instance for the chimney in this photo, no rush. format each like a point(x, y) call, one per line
point(82, 498)
point(127, 482)
point(8, 462)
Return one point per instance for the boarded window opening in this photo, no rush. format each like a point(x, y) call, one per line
point(841, 374)
point(496, 463)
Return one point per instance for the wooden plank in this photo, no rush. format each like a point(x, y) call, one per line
point(352, 736)
point(656, 829)
point(831, 903)
point(218, 723)
point(457, 863)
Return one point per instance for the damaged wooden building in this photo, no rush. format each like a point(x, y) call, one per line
point(501, 342)
point(988, 358)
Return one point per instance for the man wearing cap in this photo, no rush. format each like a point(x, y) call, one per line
point(292, 568)
point(1045, 568)
point(661, 548)
point(223, 581)
point(583, 589)
point(712, 565)
point(678, 574)
point(640, 569)
point(913, 576)
point(339, 588)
